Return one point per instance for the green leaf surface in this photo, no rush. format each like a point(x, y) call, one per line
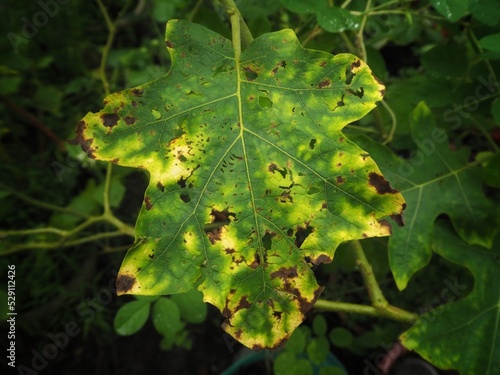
point(491, 42)
point(463, 335)
point(452, 10)
point(251, 178)
point(319, 325)
point(486, 11)
point(318, 349)
point(131, 317)
point(166, 317)
point(191, 306)
point(435, 181)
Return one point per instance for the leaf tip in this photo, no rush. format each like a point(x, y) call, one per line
point(124, 283)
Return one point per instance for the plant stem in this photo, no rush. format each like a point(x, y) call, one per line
point(109, 42)
point(380, 307)
point(376, 296)
point(47, 206)
point(393, 120)
point(361, 41)
point(107, 182)
point(246, 36)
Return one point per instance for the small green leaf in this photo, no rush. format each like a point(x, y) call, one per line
point(131, 317)
point(452, 10)
point(341, 337)
point(297, 342)
point(299, 6)
point(318, 349)
point(319, 325)
point(191, 306)
point(166, 317)
point(285, 363)
point(491, 42)
point(471, 322)
point(335, 19)
point(486, 11)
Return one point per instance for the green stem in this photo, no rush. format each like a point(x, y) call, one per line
point(361, 41)
point(390, 312)
point(109, 42)
point(60, 244)
point(376, 296)
point(380, 307)
point(47, 206)
point(107, 183)
point(246, 36)
point(236, 33)
point(393, 120)
point(29, 232)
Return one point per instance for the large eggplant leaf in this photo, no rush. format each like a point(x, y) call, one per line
point(463, 335)
point(251, 179)
point(435, 181)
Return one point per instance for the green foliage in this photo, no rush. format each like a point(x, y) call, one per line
point(168, 315)
point(65, 218)
point(472, 320)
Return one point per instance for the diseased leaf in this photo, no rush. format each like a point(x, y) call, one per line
point(435, 181)
point(463, 335)
point(251, 179)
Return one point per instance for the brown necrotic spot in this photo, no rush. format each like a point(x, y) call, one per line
point(137, 92)
point(243, 304)
point(356, 64)
point(214, 235)
point(340, 180)
point(321, 259)
point(130, 120)
point(398, 218)
point(385, 224)
point(325, 83)
point(160, 186)
point(147, 202)
point(124, 283)
point(380, 184)
point(285, 273)
point(81, 140)
point(169, 44)
point(110, 120)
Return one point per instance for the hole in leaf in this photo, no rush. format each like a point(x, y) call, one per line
point(312, 143)
point(302, 233)
point(185, 198)
point(265, 102)
point(349, 75)
point(267, 241)
point(359, 93)
point(250, 73)
point(289, 232)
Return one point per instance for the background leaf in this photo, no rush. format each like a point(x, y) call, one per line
point(131, 317)
point(463, 335)
point(435, 174)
